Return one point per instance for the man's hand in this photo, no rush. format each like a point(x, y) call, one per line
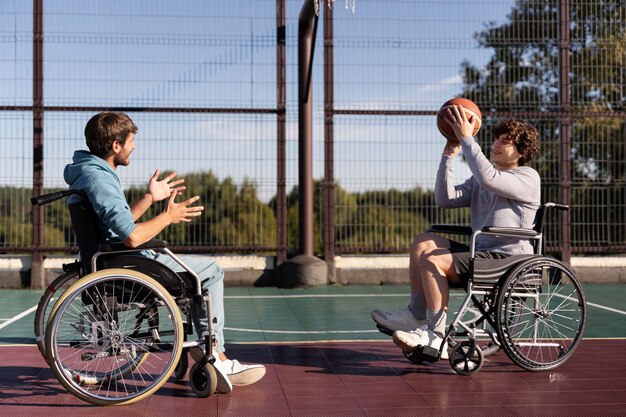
point(183, 211)
point(162, 189)
point(453, 147)
point(457, 119)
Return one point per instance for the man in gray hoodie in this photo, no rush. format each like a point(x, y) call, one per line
point(505, 192)
point(110, 138)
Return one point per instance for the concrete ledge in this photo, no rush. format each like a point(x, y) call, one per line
point(251, 270)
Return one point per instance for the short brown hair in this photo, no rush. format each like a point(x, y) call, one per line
point(105, 128)
point(524, 136)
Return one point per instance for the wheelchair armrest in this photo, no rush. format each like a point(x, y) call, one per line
point(118, 247)
point(72, 267)
point(451, 229)
point(510, 231)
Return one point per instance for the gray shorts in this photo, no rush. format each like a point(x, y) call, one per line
point(461, 255)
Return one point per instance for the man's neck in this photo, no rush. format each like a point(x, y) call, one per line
point(110, 159)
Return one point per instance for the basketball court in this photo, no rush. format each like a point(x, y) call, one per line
point(325, 358)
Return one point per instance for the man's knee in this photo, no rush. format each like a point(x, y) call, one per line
point(423, 242)
point(437, 257)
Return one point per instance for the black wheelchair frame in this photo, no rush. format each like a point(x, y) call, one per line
point(110, 326)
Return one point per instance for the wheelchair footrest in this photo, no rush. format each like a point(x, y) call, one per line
point(423, 354)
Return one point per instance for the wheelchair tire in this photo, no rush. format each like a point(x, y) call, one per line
point(203, 379)
point(46, 302)
point(540, 314)
point(99, 346)
point(466, 358)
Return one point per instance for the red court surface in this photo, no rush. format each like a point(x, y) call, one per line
point(345, 379)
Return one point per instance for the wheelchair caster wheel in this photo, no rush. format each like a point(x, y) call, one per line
point(466, 358)
point(203, 380)
point(182, 366)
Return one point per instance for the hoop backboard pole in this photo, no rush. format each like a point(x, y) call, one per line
point(306, 26)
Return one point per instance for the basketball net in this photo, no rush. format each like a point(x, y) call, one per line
point(349, 4)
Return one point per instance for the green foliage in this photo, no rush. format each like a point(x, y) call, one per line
point(234, 217)
point(18, 234)
point(365, 222)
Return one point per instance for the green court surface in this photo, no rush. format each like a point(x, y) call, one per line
point(326, 313)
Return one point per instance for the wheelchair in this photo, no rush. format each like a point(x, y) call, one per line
point(113, 327)
point(531, 306)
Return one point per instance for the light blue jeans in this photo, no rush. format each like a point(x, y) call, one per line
point(212, 279)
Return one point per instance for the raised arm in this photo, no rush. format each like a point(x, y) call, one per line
point(158, 190)
point(174, 213)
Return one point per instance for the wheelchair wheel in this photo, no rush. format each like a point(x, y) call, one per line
point(466, 358)
point(203, 379)
point(46, 302)
point(114, 337)
point(541, 314)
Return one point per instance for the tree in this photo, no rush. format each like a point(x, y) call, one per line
point(523, 76)
point(233, 215)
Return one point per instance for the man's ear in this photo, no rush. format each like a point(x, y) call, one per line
point(116, 147)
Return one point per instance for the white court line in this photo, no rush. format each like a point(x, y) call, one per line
point(16, 318)
point(237, 329)
point(328, 296)
point(612, 310)
point(7, 322)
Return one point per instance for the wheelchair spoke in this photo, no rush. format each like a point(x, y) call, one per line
point(540, 320)
point(115, 339)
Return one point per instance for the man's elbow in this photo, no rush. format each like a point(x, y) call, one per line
point(443, 202)
point(132, 241)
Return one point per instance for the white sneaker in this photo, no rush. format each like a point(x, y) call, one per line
point(401, 319)
point(224, 386)
point(223, 383)
point(240, 374)
point(411, 341)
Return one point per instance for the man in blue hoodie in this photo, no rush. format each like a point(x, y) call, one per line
point(110, 138)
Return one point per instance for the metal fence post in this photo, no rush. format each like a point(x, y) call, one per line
point(565, 125)
point(281, 134)
point(329, 176)
point(37, 277)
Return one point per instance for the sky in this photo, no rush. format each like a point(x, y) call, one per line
point(389, 54)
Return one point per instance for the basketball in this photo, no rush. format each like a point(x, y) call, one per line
point(471, 109)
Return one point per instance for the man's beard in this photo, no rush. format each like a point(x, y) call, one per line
point(121, 160)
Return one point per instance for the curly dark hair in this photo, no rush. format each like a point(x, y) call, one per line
point(105, 128)
point(524, 136)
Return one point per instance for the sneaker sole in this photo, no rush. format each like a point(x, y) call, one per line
point(412, 349)
point(224, 386)
point(403, 344)
point(247, 377)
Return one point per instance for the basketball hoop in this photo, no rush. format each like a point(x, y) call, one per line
point(349, 4)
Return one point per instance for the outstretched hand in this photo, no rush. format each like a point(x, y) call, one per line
point(183, 211)
point(162, 189)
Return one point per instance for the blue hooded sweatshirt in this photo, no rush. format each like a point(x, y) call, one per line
point(98, 180)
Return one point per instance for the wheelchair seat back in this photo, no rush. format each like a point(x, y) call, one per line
point(85, 227)
point(84, 223)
